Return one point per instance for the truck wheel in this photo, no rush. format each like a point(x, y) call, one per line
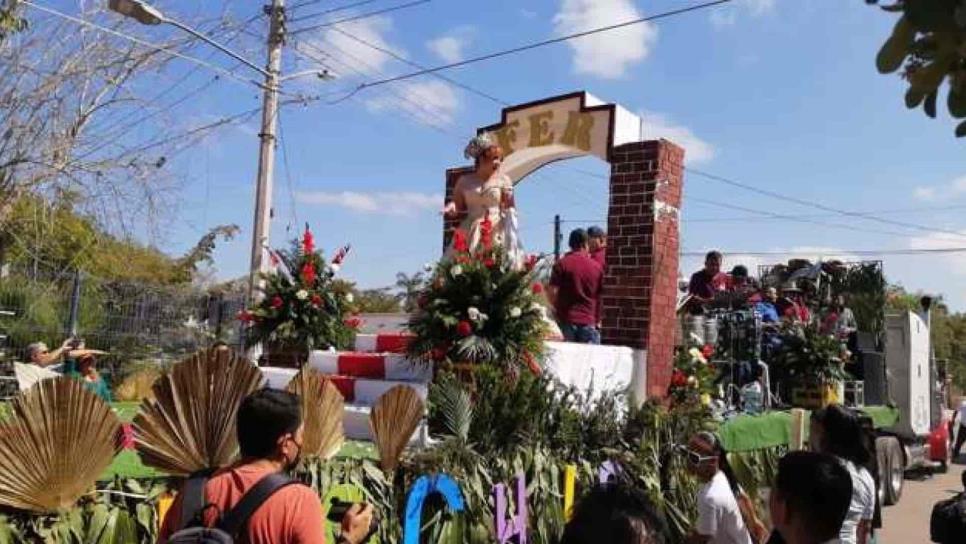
point(882, 460)
point(896, 475)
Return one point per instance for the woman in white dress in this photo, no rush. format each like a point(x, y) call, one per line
point(487, 194)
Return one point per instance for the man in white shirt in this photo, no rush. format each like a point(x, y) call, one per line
point(719, 519)
point(810, 498)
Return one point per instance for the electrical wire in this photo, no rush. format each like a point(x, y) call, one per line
point(139, 41)
point(330, 10)
point(362, 16)
point(856, 252)
point(288, 170)
point(535, 45)
point(818, 206)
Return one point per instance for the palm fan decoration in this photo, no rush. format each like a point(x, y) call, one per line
point(189, 424)
point(322, 407)
point(58, 439)
point(393, 420)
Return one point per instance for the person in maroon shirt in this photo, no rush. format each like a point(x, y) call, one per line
point(706, 283)
point(597, 244)
point(575, 287)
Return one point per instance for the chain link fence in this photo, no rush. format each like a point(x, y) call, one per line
point(135, 323)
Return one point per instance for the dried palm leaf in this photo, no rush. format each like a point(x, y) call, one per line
point(58, 440)
point(322, 407)
point(393, 420)
point(189, 425)
point(138, 385)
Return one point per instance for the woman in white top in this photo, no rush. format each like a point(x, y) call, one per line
point(835, 430)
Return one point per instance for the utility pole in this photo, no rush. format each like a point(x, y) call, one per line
point(266, 154)
point(557, 237)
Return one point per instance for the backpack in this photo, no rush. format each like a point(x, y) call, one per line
point(948, 521)
point(230, 523)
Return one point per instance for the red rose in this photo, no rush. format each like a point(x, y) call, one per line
point(537, 288)
point(439, 353)
point(245, 316)
point(486, 233)
point(678, 379)
point(707, 351)
point(464, 328)
point(354, 322)
point(308, 273)
point(459, 241)
point(308, 241)
point(490, 262)
point(277, 302)
point(316, 300)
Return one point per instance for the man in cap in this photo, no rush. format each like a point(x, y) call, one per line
point(597, 244)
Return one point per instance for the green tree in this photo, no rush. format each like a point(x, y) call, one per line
point(10, 22)
point(409, 289)
point(929, 44)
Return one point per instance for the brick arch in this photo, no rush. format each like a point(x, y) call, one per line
point(640, 281)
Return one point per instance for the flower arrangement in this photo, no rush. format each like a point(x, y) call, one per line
point(301, 309)
point(692, 379)
point(477, 308)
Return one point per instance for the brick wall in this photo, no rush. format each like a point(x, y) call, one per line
point(640, 285)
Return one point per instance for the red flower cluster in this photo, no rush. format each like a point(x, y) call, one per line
point(537, 288)
point(486, 233)
point(308, 273)
point(316, 300)
point(354, 322)
point(460, 243)
point(245, 316)
point(308, 242)
point(678, 379)
point(531, 262)
point(489, 262)
point(277, 302)
point(464, 328)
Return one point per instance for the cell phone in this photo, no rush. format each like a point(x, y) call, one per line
point(338, 509)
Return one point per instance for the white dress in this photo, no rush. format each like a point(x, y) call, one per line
point(483, 201)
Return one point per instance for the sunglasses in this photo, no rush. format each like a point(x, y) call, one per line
point(694, 457)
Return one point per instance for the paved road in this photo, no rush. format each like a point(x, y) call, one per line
point(908, 521)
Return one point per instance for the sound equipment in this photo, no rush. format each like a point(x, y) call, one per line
point(876, 383)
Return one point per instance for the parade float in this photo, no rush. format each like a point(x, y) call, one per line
point(470, 426)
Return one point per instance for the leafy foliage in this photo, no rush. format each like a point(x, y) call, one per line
point(809, 356)
point(477, 309)
point(692, 380)
point(927, 44)
point(301, 308)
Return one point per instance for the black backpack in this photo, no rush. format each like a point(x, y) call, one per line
point(230, 523)
point(947, 524)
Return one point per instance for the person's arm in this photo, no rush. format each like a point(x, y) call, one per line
point(55, 356)
point(705, 526)
point(457, 205)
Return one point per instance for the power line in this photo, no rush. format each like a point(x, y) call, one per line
point(330, 10)
point(819, 206)
point(418, 66)
point(139, 41)
point(539, 44)
point(823, 215)
point(856, 252)
point(361, 16)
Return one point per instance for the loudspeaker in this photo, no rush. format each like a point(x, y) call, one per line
point(865, 341)
point(876, 387)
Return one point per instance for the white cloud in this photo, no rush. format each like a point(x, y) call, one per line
point(392, 203)
point(657, 125)
point(432, 103)
point(450, 47)
point(608, 54)
point(924, 193)
point(953, 189)
point(724, 16)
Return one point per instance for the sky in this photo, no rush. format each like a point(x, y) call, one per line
point(782, 95)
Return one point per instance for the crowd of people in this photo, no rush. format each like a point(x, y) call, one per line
point(819, 496)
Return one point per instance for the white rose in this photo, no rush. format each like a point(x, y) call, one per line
point(302, 294)
point(473, 313)
point(456, 270)
point(515, 312)
point(483, 317)
point(349, 297)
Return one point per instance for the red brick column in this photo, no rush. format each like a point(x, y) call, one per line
point(640, 285)
point(450, 224)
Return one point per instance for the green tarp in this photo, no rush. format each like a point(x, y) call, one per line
point(747, 432)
